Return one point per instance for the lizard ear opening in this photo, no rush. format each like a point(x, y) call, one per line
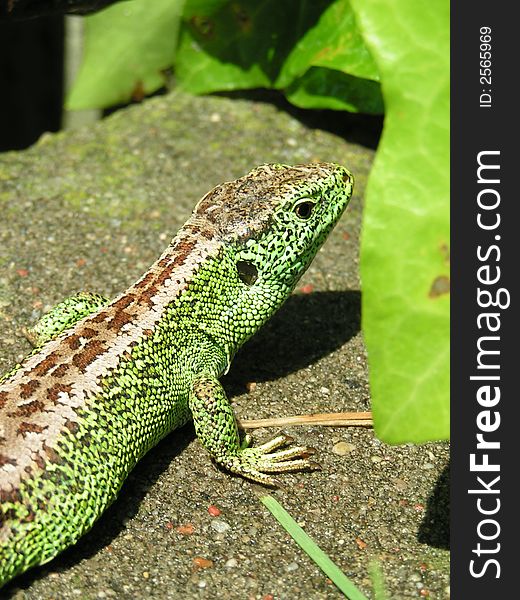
point(247, 271)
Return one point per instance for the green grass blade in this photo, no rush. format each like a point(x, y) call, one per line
point(378, 581)
point(340, 580)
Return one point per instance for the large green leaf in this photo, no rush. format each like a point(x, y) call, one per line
point(127, 48)
point(404, 260)
point(310, 49)
point(242, 44)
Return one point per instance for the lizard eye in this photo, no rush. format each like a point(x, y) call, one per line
point(303, 209)
point(247, 271)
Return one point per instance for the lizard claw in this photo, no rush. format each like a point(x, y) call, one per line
point(258, 462)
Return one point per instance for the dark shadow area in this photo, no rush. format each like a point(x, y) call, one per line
point(306, 328)
point(31, 76)
point(12, 10)
point(435, 527)
point(356, 128)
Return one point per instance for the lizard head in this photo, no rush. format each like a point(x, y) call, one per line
point(271, 223)
point(281, 217)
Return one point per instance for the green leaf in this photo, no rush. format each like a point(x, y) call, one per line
point(328, 88)
point(309, 546)
point(128, 46)
point(378, 581)
point(404, 254)
point(312, 50)
point(193, 8)
point(240, 44)
point(333, 42)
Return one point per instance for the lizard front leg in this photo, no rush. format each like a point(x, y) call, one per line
point(217, 430)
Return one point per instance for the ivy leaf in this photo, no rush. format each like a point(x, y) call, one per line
point(404, 252)
point(128, 47)
point(242, 44)
point(310, 50)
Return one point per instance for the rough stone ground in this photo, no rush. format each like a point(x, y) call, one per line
point(91, 210)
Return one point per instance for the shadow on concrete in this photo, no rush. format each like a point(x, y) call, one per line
point(304, 330)
point(435, 527)
point(357, 128)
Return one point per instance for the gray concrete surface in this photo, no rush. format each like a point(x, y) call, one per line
point(91, 209)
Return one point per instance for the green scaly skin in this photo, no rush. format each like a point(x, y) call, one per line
point(108, 380)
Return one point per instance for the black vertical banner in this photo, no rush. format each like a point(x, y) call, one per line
point(485, 394)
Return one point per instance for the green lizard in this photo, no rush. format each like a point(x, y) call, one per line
point(108, 380)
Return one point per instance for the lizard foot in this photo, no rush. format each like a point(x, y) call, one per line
point(256, 462)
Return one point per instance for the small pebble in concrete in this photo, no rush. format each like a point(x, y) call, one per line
point(214, 511)
point(231, 563)
point(343, 448)
point(220, 526)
